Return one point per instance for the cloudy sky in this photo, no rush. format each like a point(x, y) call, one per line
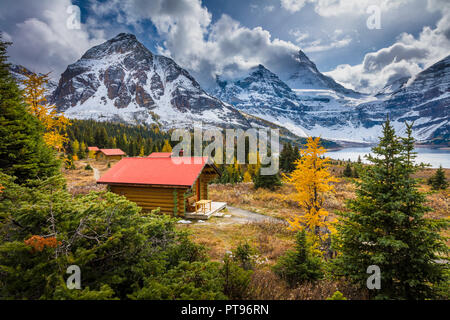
point(347, 39)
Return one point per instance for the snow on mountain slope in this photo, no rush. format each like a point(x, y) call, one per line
point(327, 111)
point(121, 80)
point(307, 76)
point(425, 99)
point(302, 111)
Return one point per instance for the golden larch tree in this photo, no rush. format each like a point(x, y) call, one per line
point(55, 124)
point(312, 181)
point(167, 147)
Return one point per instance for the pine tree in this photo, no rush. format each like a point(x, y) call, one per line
point(355, 173)
point(266, 181)
point(438, 180)
point(101, 137)
point(299, 265)
point(23, 152)
point(348, 171)
point(385, 225)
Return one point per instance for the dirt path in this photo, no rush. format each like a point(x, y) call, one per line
point(241, 216)
point(96, 173)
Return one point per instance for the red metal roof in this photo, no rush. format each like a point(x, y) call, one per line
point(112, 152)
point(93, 149)
point(155, 171)
point(160, 155)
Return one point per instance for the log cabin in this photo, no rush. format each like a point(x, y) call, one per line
point(160, 182)
point(109, 154)
point(92, 152)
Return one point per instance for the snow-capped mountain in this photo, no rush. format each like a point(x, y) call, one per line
point(333, 112)
point(424, 99)
point(307, 76)
point(122, 80)
point(263, 94)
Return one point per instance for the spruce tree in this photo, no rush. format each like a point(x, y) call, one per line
point(438, 180)
point(385, 226)
point(348, 171)
point(299, 265)
point(23, 152)
point(266, 181)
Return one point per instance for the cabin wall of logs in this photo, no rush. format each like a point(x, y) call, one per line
point(170, 200)
point(102, 156)
point(151, 198)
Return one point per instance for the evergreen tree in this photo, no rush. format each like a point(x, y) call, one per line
point(101, 137)
point(288, 156)
point(438, 180)
point(355, 173)
point(23, 152)
point(385, 225)
point(299, 265)
point(266, 181)
point(348, 171)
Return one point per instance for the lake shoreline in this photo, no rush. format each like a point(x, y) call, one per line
point(433, 156)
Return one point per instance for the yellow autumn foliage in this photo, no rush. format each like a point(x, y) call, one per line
point(54, 123)
point(312, 181)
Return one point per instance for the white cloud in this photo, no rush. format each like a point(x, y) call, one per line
point(406, 57)
point(293, 5)
point(329, 8)
point(319, 45)
point(40, 36)
point(207, 48)
point(300, 36)
point(334, 41)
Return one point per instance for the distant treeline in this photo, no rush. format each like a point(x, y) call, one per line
point(134, 140)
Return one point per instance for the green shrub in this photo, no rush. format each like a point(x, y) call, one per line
point(236, 280)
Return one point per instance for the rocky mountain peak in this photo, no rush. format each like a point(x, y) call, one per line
point(307, 76)
point(120, 44)
point(121, 80)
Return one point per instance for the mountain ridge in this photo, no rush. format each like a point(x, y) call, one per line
point(121, 80)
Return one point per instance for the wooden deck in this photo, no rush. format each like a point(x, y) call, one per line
point(199, 215)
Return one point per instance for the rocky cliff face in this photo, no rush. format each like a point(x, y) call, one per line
point(122, 80)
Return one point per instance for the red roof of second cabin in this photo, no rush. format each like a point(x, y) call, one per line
point(155, 171)
point(93, 149)
point(112, 152)
point(160, 155)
